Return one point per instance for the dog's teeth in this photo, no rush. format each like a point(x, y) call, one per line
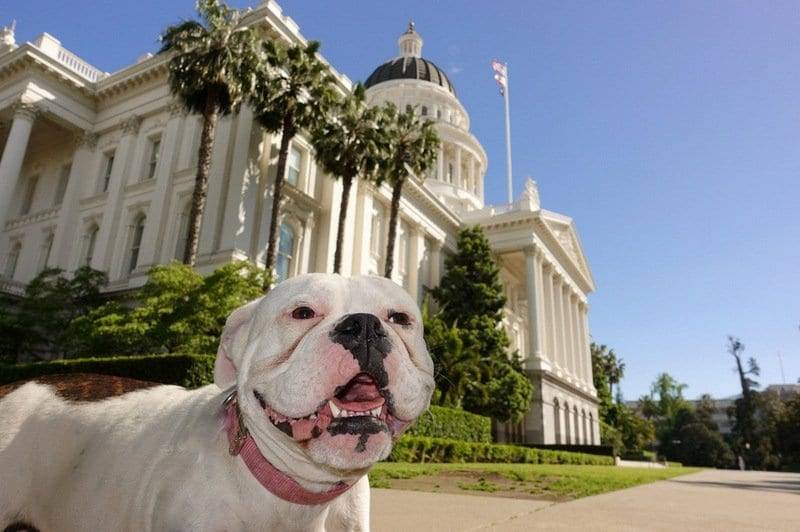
point(335, 410)
point(375, 411)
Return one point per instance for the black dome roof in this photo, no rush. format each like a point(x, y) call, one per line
point(410, 68)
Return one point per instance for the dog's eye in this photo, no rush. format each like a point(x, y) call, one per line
point(399, 318)
point(303, 313)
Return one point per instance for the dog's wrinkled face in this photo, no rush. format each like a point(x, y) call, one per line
point(337, 364)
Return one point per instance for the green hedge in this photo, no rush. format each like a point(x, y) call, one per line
point(440, 450)
point(190, 371)
point(441, 422)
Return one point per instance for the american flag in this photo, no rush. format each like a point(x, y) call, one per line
point(500, 74)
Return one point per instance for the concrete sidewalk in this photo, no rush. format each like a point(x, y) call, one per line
point(706, 501)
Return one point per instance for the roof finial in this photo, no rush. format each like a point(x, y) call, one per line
point(410, 42)
point(7, 41)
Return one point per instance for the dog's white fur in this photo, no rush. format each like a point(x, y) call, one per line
point(157, 459)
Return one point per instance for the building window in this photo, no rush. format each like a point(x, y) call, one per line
point(402, 253)
point(183, 231)
point(409, 109)
point(30, 192)
point(61, 187)
point(376, 231)
point(293, 168)
point(136, 242)
point(152, 160)
point(12, 260)
point(424, 111)
point(91, 239)
point(47, 247)
point(439, 114)
point(108, 165)
point(449, 172)
point(283, 263)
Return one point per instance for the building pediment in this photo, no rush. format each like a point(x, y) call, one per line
point(565, 235)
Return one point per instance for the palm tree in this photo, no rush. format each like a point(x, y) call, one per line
point(294, 92)
point(212, 70)
point(413, 145)
point(347, 146)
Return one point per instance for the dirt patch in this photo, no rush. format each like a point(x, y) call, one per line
point(476, 483)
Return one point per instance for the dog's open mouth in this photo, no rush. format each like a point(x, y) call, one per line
point(358, 407)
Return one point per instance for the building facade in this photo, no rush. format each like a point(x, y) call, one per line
point(97, 169)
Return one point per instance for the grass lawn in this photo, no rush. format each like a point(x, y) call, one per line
point(527, 481)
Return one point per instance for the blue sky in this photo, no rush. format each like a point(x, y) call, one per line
point(670, 132)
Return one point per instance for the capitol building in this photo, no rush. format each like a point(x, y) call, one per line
point(98, 168)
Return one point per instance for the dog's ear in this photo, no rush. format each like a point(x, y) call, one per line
point(232, 344)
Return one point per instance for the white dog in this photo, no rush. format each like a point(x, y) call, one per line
point(312, 384)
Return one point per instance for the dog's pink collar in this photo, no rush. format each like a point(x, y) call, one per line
point(278, 483)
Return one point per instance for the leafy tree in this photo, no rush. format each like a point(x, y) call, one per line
point(177, 310)
point(294, 91)
point(745, 428)
point(470, 297)
point(412, 148)
point(600, 376)
point(457, 369)
point(347, 146)
point(51, 301)
point(212, 70)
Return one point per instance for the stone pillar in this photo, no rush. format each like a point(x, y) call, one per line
point(81, 169)
point(547, 317)
point(472, 175)
point(576, 353)
point(416, 242)
point(532, 264)
point(106, 238)
point(566, 340)
point(558, 335)
point(154, 230)
point(363, 229)
point(14, 154)
point(305, 245)
point(440, 163)
point(458, 181)
point(585, 348)
point(436, 262)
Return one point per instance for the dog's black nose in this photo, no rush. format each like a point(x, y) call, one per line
point(359, 327)
point(364, 336)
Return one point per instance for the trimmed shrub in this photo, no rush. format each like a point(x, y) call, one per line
point(190, 371)
point(454, 424)
point(440, 450)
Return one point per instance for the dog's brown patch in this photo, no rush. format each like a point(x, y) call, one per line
point(84, 387)
point(20, 527)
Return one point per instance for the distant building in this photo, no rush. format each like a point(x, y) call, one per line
point(98, 169)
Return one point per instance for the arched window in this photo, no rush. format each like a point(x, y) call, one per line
point(591, 429)
point(137, 231)
point(567, 424)
point(12, 260)
point(449, 172)
point(439, 114)
point(409, 108)
point(577, 429)
point(376, 231)
point(424, 111)
point(91, 240)
point(283, 264)
point(47, 247)
point(183, 230)
point(585, 428)
point(557, 421)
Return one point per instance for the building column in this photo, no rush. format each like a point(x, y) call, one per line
point(532, 264)
point(472, 175)
point(14, 154)
point(459, 182)
point(67, 224)
point(305, 255)
point(440, 163)
point(556, 331)
point(566, 340)
point(586, 348)
point(547, 317)
point(104, 246)
point(436, 262)
point(576, 352)
point(363, 228)
point(162, 193)
point(417, 243)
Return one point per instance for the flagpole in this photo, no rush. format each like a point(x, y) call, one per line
point(508, 143)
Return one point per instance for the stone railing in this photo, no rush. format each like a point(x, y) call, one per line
point(52, 47)
point(32, 218)
point(8, 286)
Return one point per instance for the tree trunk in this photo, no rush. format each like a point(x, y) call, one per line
point(393, 216)
point(200, 191)
point(347, 182)
point(277, 194)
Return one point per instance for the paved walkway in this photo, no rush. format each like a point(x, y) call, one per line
point(706, 501)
